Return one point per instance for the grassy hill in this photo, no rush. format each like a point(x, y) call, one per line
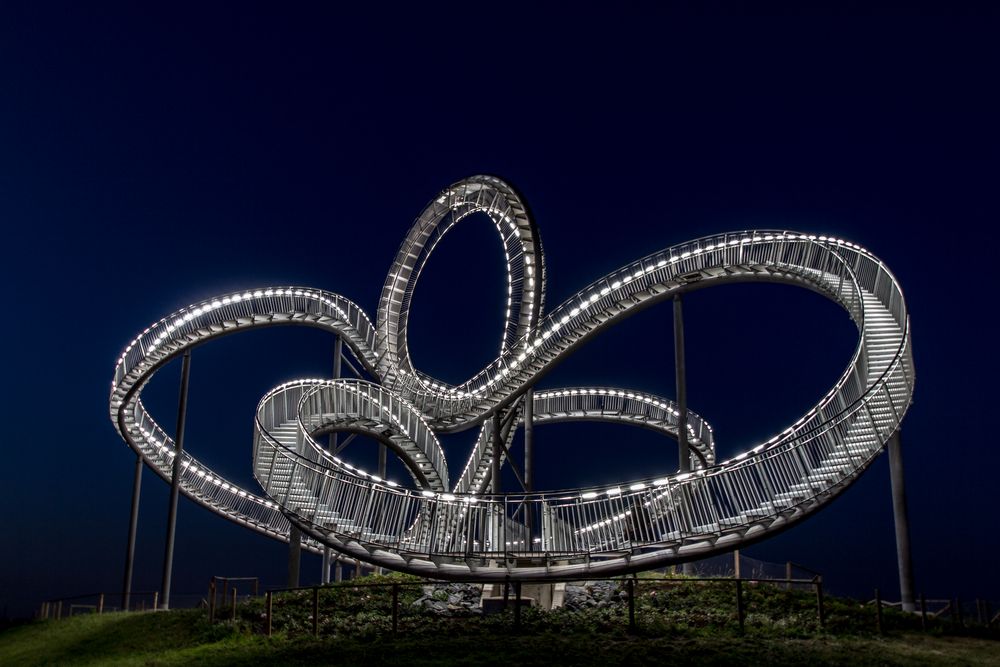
point(676, 624)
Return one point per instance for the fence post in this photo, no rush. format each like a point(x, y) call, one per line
point(819, 601)
point(256, 586)
point(739, 604)
point(315, 611)
point(44, 612)
point(100, 603)
point(979, 612)
point(156, 600)
point(267, 614)
point(788, 575)
point(506, 592)
point(958, 610)
point(878, 612)
point(211, 601)
point(517, 605)
point(923, 612)
point(234, 604)
point(953, 603)
point(630, 586)
point(59, 609)
point(395, 608)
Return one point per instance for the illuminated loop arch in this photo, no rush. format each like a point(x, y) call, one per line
point(448, 528)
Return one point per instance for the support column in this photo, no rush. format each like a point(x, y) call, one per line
point(338, 357)
point(324, 575)
point(683, 452)
point(529, 439)
point(496, 452)
point(133, 526)
point(902, 522)
point(529, 460)
point(175, 482)
point(294, 556)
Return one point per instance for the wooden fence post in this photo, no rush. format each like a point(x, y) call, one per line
point(315, 611)
point(267, 614)
point(878, 612)
point(819, 601)
point(739, 604)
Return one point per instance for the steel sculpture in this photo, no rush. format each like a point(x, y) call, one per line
point(450, 526)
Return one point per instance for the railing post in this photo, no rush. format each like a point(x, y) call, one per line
point(315, 611)
point(819, 601)
point(788, 575)
point(739, 604)
point(506, 592)
point(156, 600)
point(59, 609)
point(267, 613)
point(395, 608)
point(878, 612)
point(923, 613)
point(100, 603)
point(175, 480)
point(211, 601)
point(630, 585)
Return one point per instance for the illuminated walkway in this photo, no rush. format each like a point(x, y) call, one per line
point(449, 526)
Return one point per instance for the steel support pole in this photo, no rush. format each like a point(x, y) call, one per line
point(324, 575)
point(496, 452)
point(683, 452)
point(529, 459)
point(294, 556)
point(133, 526)
point(338, 358)
point(529, 439)
point(903, 557)
point(175, 481)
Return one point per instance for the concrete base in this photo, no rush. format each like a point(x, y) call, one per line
point(493, 605)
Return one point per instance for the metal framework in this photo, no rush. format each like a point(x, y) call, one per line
point(448, 527)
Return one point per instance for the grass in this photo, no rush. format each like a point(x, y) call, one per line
point(678, 622)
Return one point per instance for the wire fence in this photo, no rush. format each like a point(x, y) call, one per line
point(738, 577)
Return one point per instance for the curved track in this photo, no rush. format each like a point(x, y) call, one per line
point(450, 529)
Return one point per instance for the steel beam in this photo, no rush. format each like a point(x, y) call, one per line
point(495, 480)
point(903, 555)
point(175, 482)
point(683, 451)
point(294, 556)
point(133, 526)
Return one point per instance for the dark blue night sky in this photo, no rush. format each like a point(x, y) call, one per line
point(152, 157)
